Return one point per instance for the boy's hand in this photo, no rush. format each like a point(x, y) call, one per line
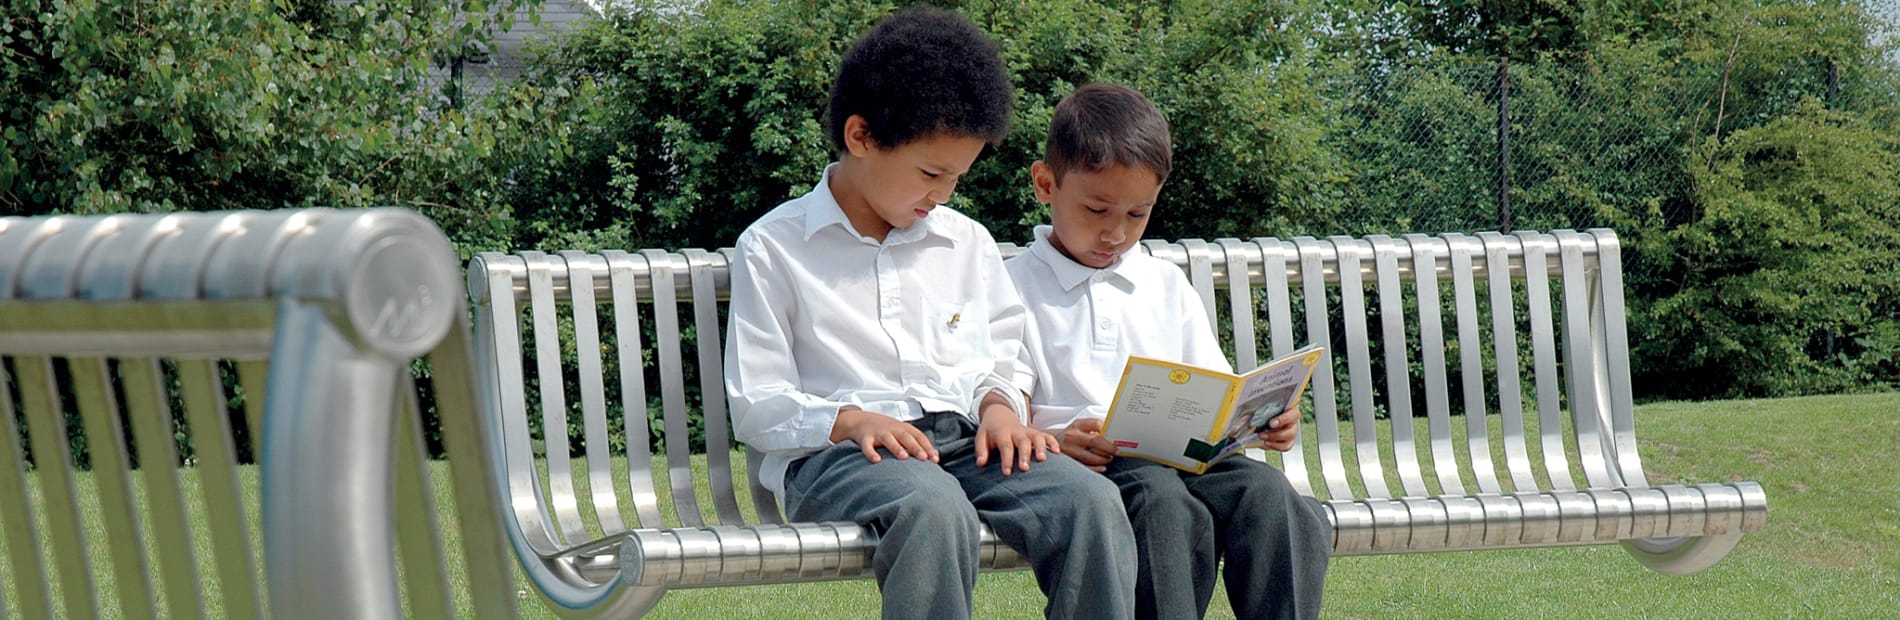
point(1015, 444)
point(1282, 430)
point(1083, 441)
point(873, 431)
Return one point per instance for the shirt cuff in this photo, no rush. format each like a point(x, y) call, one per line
point(1011, 395)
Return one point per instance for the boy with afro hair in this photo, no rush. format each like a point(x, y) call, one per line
point(873, 345)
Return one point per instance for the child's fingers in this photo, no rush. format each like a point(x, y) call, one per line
point(982, 449)
point(929, 450)
point(1085, 456)
point(895, 443)
point(1006, 455)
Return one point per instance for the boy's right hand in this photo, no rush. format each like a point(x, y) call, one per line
point(873, 431)
point(1083, 441)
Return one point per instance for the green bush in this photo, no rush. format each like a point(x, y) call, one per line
point(228, 104)
point(1787, 280)
point(713, 116)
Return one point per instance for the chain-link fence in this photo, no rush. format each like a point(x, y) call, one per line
point(1584, 145)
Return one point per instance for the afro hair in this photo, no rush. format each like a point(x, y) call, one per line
point(919, 73)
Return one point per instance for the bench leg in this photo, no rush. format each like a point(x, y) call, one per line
point(1682, 555)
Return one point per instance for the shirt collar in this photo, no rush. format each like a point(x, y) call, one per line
point(1069, 273)
point(823, 210)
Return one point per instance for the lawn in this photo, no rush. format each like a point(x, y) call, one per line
point(1831, 549)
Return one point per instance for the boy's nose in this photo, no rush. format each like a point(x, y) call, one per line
point(1113, 235)
point(941, 195)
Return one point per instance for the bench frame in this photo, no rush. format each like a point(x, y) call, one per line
point(1582, 491)
point(314, 315)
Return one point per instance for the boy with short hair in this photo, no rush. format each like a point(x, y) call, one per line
point(1095, 303)
point(874, 338)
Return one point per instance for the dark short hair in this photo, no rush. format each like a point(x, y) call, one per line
point(919, 73)
point(1101, 125)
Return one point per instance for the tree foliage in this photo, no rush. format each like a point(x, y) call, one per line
point(225, 104)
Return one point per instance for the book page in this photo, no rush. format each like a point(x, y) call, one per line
point(1168, 412)
point(1264, 393)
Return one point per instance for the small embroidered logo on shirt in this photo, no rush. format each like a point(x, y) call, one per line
point(954, 319)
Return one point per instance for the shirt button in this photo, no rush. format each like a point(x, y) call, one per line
point(1105, 324)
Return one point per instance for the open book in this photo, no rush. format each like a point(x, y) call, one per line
point(1191, 417)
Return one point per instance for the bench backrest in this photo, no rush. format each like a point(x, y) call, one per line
point(285, 337)
point(1521, 334)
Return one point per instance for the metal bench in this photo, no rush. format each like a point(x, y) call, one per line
point(1519, 333)
point(311, 318)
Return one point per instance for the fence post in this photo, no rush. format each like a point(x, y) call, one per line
point(1504, 144)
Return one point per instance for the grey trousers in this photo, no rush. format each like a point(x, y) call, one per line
point(1066, 520)
point(1276, 542)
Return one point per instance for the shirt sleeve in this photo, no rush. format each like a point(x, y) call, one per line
point(769, 411)
point(1009, 324)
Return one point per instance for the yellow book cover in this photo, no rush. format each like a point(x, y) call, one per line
point(1190, 417)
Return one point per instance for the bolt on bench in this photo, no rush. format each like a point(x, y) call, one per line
point(1523, 386)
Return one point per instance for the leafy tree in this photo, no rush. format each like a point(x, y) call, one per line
point(715, 115)
point(1785, 282)
point(224, 104)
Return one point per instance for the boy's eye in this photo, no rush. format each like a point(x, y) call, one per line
point(1138, 216)
point(931, 175)
point(1095, 210)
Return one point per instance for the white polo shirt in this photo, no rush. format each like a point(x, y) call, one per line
point(823, 317)
point(1088, 321)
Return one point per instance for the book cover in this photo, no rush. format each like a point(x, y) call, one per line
point(1191, 417)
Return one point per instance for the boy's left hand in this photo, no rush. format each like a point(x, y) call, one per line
point(1282, 430)
point(1015, 443)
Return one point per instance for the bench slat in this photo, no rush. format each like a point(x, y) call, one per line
point(1517, 458)
point(111, 469)
point(499, 328)
point(418, 541)
point(1325, 401)
point(53, 462)
point(587, 348)
point(1544, 359)
point(1240, 303)
point(1581, 363)
point(624, 271)
point(1352, 307)
point(547, 346)
point(712, 387)
point(664, 268)
point(16, 518)
point(1431, 330)
point(1615, 353)
point(1470, 365)
point(148, 406)
point(203, 392)
point(1398, 377)
point(1274, 258)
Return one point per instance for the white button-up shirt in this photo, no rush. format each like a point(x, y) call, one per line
point(824, 317)
point(1088, 321)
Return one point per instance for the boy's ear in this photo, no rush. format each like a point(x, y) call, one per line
point(1043, 179)
point(857, 136)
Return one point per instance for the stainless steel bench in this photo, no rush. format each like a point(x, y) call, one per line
point(311, 318)
point(1519, 336)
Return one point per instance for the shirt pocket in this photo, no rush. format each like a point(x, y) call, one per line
point(960, 333)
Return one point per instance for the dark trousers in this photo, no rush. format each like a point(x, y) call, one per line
point(1275, 541)
point(1066, 520)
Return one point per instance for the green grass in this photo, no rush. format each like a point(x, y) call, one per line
point(1831, 549)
